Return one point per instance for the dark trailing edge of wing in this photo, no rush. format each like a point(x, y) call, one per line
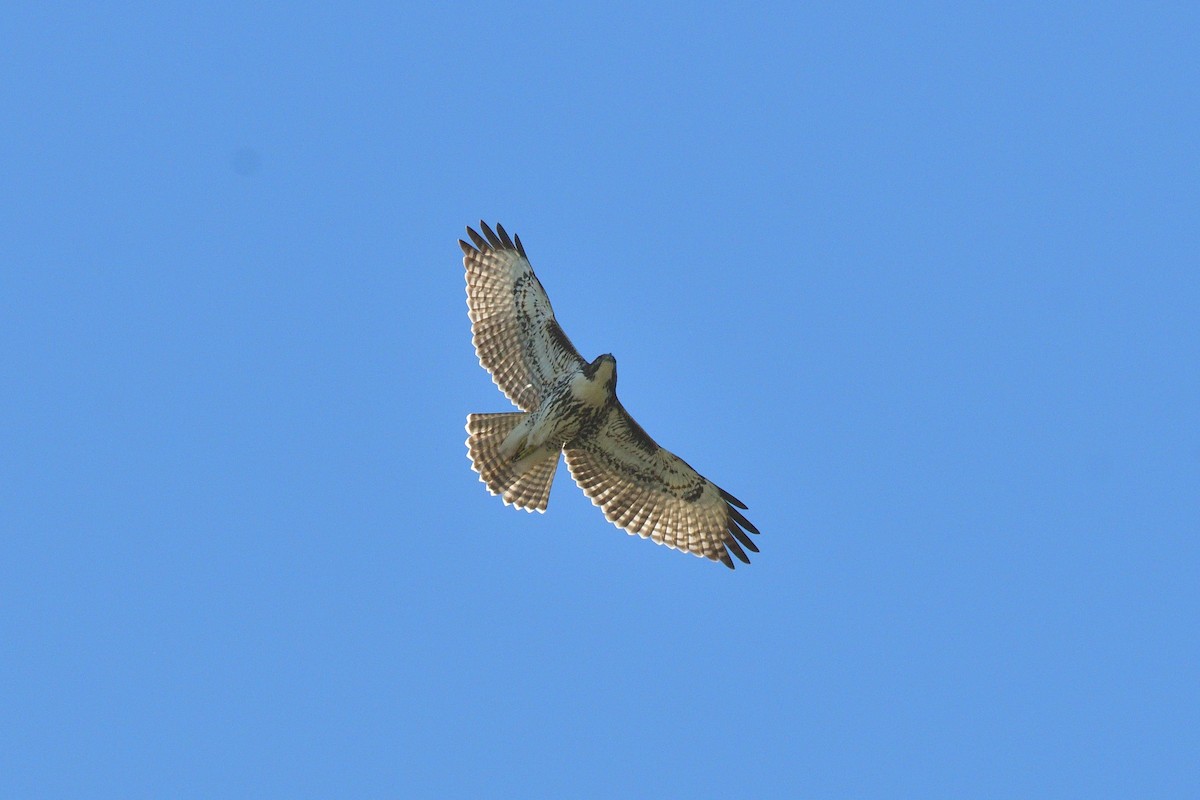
point(492, 240)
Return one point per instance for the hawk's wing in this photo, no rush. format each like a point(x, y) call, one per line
point(513, 328)
point(647, 490)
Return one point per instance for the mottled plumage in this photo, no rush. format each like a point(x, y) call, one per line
point(570, 406)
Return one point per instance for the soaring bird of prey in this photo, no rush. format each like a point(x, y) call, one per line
point(570, 406)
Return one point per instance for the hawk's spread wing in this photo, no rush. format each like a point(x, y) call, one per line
point(513, 328)
point(647, 490)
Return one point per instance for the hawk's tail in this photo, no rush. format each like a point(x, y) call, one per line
point(530, 488)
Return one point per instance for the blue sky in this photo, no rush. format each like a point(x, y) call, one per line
point(918, 283)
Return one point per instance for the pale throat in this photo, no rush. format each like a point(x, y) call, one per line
point(593, 391)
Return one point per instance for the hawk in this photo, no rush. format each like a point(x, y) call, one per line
point(570, 406)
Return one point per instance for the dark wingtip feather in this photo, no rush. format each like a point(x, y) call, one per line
point(724, 558)
point(507, 242)
point(745, 523)
point(479, 241)
point(741, 536)
point(466, 248)
point(492, 238)
point(731, 499)
point(520, 247)
point(732, 546)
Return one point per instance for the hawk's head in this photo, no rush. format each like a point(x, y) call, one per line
point(603, 371)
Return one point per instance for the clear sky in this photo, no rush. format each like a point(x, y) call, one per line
point(919, 283)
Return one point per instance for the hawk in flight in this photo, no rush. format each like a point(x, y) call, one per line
point(570, 406)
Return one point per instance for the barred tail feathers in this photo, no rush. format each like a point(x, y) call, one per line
point(526, 487)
